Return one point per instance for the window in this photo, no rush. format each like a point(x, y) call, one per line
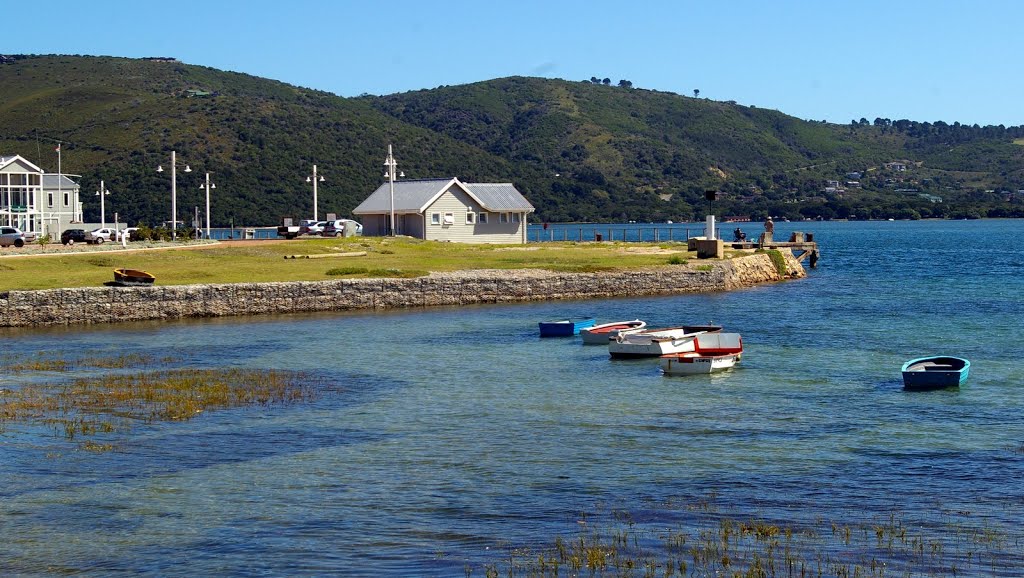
point(435, 218)
point(504, 218)
point(470, 218)
point(67, 199)
point(483, 218)
point(515, 217)
point(49, 200)
point(449, 219)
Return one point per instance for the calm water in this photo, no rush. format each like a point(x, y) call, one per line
point(448, 435)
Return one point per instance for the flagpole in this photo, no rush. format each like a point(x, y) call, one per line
point(60, 197)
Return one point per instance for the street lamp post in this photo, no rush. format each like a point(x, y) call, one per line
point(103, 192)
point(391, 163)
point(313, 179)
point(208, 186)
point(174, 192)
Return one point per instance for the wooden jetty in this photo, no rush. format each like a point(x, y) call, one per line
point(803, 246)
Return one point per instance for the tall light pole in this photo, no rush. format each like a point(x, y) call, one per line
point(208, 186)
point(103, 192)
point(391, 163)
point(174, 192)
point(313, 180)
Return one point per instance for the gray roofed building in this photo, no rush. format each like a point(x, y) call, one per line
point(447, 210)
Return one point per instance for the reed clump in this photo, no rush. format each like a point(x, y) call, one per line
point(712, 545)
point(93, 406)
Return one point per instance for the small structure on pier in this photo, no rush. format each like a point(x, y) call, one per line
point(802, 244)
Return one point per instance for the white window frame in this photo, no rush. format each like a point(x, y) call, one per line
point(449, 219)
point(470, 218)
point(49, 200)
point(503, 218)
point(435, 218)
point(516, 217)
point(483, 218)
point(67, 199)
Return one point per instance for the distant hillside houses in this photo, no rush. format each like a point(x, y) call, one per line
point(160, 59)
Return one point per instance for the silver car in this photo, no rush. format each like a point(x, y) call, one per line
point(12, 236)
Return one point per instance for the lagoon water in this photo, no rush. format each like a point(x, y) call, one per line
point(442, 438)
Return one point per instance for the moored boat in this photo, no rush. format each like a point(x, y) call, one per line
point(132, 277)
point(658, 342)
point(564, 327)
point(600, 334)
point(935, 372)
point(712, 352)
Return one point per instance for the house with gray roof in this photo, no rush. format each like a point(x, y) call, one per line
point(447, 210)
point(35, 201)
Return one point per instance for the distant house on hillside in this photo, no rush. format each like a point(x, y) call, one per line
point(897, 166)
point(448, 210)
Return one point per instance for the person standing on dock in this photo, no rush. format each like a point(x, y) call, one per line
point(769, 229)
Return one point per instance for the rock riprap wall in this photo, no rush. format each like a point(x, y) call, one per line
point(118, 304)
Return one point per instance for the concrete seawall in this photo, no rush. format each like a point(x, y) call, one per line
point(118, 304)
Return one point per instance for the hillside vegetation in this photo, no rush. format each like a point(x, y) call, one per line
point(579, 151)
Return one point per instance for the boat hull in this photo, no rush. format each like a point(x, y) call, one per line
point(695, 364)
point(600, 334)
point(935, 373)
point(564, 327)
point(133, 277)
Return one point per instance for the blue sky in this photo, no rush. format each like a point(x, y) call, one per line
point(829, 60)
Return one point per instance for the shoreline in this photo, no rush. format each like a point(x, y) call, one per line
point(92, 305)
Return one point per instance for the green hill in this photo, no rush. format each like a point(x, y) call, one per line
point(578, 150)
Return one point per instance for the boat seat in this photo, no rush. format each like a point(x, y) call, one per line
point(938, 367)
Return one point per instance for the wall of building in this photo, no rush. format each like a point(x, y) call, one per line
point(119, 304)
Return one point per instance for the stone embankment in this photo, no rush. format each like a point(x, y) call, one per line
point(118, 304)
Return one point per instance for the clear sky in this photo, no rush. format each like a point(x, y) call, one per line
point(834, 60)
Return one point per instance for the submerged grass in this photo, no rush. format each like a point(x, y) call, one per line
point(385, 257)
point(714, 545)
point(87, 407)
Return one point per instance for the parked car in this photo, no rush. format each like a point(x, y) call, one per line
point(130, 231)
point(335, 228)
point(12, 236)
point(72, 236)
point(98, 236)
point(312, 227)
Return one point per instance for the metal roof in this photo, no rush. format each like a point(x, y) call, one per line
point(499, 197)
point(411, 196)
point(50, 182)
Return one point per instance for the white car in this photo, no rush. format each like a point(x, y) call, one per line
point(98, 236)
point(12, 236)
point(335, 228)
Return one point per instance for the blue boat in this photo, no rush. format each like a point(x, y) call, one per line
point(935, 372)
point(564, 327)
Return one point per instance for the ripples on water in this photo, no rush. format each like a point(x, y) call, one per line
point(443, 436)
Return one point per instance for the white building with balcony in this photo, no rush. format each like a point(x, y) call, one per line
point(35, 201)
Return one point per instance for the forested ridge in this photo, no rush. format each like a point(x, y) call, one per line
point(584, 150)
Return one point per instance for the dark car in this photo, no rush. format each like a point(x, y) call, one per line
point(72, 236)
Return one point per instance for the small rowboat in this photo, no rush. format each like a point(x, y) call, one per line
point(600, 334)
point(935, 372)
point(564, 327)
point(711, 352)
point(129, 277)
point(657, 342)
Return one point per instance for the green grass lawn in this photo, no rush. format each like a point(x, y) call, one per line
point(385, 257)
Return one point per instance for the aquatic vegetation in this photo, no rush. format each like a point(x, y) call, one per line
point(92, 406)
point(721, 546)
